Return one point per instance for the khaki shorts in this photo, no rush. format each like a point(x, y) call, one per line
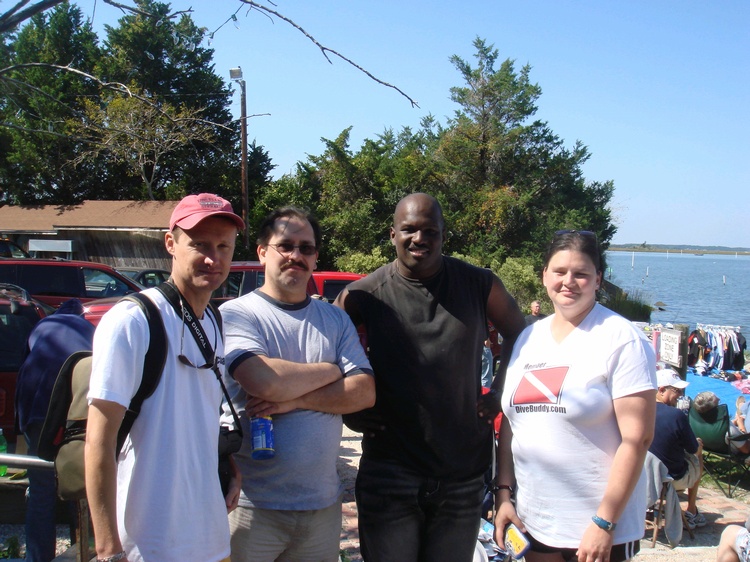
point(692, 475)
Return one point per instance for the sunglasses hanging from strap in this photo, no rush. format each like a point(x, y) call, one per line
point(185, 311)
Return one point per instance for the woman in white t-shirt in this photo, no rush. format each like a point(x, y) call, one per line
point(579, 404)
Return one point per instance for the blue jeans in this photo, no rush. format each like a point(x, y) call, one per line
point(41, 498)
point(404, 515)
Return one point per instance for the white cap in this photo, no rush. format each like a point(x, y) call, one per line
point(667, 377)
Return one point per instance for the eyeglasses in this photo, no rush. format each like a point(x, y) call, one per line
point(584, 233)
point(679, 391)
point(286, 249)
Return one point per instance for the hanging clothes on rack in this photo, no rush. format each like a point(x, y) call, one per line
point(720, 347)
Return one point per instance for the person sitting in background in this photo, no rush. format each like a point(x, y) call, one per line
point(675, 443)
point(707, 401)
point(734, 545)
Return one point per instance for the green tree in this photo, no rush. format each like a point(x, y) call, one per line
point(505, 183)
point(140, 133)
point(37, 165)
point(164, 56)
point(510, 183)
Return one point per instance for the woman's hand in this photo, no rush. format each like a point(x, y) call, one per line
point(595, 546)
point(506, 514)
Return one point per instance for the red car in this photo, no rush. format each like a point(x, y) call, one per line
point(55, 281)
point(329, 284)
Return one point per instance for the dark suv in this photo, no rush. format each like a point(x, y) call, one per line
point(19, 313)
point(55, 281)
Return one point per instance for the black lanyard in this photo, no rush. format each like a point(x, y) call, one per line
point(185, 311)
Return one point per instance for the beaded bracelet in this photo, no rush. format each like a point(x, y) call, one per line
point(114, 558)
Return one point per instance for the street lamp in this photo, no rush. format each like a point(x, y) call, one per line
point(236, 75)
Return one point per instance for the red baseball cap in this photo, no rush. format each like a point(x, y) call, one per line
point(194, 208)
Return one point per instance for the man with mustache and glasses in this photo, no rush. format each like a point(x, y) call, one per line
point(427, 443)
point(298, 360)
point(160, 499)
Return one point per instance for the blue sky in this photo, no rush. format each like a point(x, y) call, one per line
point(658, 91)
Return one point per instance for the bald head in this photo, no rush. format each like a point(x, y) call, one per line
point(425, 202)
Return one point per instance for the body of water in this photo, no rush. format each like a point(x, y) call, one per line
point(707, 289)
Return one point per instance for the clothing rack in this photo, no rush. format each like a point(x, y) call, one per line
point(716, 327)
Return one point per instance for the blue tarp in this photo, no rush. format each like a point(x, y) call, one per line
point(726, 391)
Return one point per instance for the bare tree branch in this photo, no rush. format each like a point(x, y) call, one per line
point(13, 17)
point(325, 50)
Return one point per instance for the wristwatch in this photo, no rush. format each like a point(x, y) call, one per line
point(603, 523)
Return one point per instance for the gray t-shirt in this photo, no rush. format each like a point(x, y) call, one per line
point(302, 475)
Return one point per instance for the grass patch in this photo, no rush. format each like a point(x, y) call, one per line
point(11, 548)
point(634, 308)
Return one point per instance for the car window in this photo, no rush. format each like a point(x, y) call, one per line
point(239, 283)
point(100, 284)
point(49, 280)
point(332, 288)
point(14, 331)
point(230, 289)
point(152, 278)
point(11, 250)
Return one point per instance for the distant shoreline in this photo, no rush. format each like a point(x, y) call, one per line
point(684, 251)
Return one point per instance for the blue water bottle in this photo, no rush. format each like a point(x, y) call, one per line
point(261, 429)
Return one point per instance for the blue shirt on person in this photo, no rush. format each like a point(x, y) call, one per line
point(672, 439)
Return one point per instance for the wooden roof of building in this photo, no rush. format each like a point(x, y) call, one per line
point(89, 215)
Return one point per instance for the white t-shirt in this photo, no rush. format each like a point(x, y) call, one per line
point(169, 501)
point(559, 401)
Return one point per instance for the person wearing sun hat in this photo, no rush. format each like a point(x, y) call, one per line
point(160, 498)
point(675, 443)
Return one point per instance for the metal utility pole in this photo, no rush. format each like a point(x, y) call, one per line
point(236, 75)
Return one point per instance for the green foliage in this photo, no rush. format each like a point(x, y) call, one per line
point(47, 149)
point(634, 308)
point(505, 184)
point(523, 282)
point(36, 165)
point(12, 548)
point(468, 259)
point(358, 262)
point(163, 57)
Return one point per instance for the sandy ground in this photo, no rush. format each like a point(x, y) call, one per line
point(718, 510)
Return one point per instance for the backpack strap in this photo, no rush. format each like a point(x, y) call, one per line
point(153, 364)
point(55, 422)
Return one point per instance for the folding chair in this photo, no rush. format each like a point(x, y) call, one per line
point(719, 461)
point(665, 505)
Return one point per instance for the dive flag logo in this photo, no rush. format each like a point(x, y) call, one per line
point(540, 386)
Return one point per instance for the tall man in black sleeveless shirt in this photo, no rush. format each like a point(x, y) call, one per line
point(427, 441)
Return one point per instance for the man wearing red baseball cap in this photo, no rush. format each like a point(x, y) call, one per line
point(161, 499)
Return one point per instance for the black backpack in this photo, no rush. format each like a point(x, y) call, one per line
point(63, 434)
